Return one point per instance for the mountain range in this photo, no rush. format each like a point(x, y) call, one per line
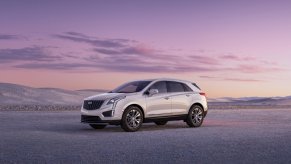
point(273, 101)
point(15, 94)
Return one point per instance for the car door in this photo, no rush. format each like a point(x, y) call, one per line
point(181, 98)
point(158, 104)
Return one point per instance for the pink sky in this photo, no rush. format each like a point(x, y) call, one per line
point(229, 48)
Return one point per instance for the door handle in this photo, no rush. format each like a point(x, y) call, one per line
point(167, 98)
point(187, 95)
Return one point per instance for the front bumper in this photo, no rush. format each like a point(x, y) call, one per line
point(104, 114)
point(97, 120)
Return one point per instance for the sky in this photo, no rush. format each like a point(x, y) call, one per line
point(229, 48)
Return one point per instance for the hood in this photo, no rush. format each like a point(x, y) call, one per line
point(106, 96)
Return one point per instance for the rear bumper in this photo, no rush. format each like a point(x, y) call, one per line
point(97, 120)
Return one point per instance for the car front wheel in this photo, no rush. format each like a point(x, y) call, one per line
point(195, 116)
point(132, 119)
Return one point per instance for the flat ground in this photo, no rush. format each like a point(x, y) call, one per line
point(227, 136)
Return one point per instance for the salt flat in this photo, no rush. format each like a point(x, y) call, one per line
point(227, 136)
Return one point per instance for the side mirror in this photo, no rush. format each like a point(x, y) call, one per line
point(153, 91)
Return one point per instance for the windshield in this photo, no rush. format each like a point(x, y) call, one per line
point(131, 87)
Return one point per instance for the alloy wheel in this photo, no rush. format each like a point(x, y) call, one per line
point(197, 115)
point(133, 118)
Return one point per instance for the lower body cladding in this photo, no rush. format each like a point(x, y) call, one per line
point(94, 119)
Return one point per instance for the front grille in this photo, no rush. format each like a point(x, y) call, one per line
point(92, 104)
point(90, 119)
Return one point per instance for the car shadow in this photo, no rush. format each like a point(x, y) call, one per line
point(79, 127)
point(113, 128)
point(73, 127)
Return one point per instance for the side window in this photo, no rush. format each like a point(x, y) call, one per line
point(175, 87)
point(187, 88)
point(161, 86)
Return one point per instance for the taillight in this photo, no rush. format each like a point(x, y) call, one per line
point(202, 94)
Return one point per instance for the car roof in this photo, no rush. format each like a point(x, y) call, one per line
point(167, 79)
point(194, 87)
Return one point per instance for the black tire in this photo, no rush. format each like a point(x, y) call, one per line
point(161, 122)
point(96, 126)
point(132, 119)
point(195, 116)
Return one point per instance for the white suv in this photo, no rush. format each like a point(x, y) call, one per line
point(137, 102)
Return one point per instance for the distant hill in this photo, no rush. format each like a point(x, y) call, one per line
point(18, 94)
point(14, 94)
point(93, 90)
point(273, 101)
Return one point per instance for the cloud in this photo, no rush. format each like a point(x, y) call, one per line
point(129, 50)
point(54, 66)
point(119, 65)
point(205, 60)
point(242, 80)
point(97, 42)
point(8, 37)
point(208, 77)
point(230, 79)
point(34, 53)
point(156, 68)
point(237, 57)
point(251, 68)
point(230, 57)
point(126, 55)
point(107, 51)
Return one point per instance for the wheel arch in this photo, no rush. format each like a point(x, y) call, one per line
point(199, 104)
point(138, 107)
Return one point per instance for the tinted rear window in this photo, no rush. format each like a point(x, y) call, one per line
point(175, 87)
point(187, 88)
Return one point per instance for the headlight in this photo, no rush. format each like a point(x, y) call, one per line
point(114, 101)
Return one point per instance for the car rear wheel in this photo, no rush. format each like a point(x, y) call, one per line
point(96, 126)
point(161, 122)
point(195, 116)
point(132, 119)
